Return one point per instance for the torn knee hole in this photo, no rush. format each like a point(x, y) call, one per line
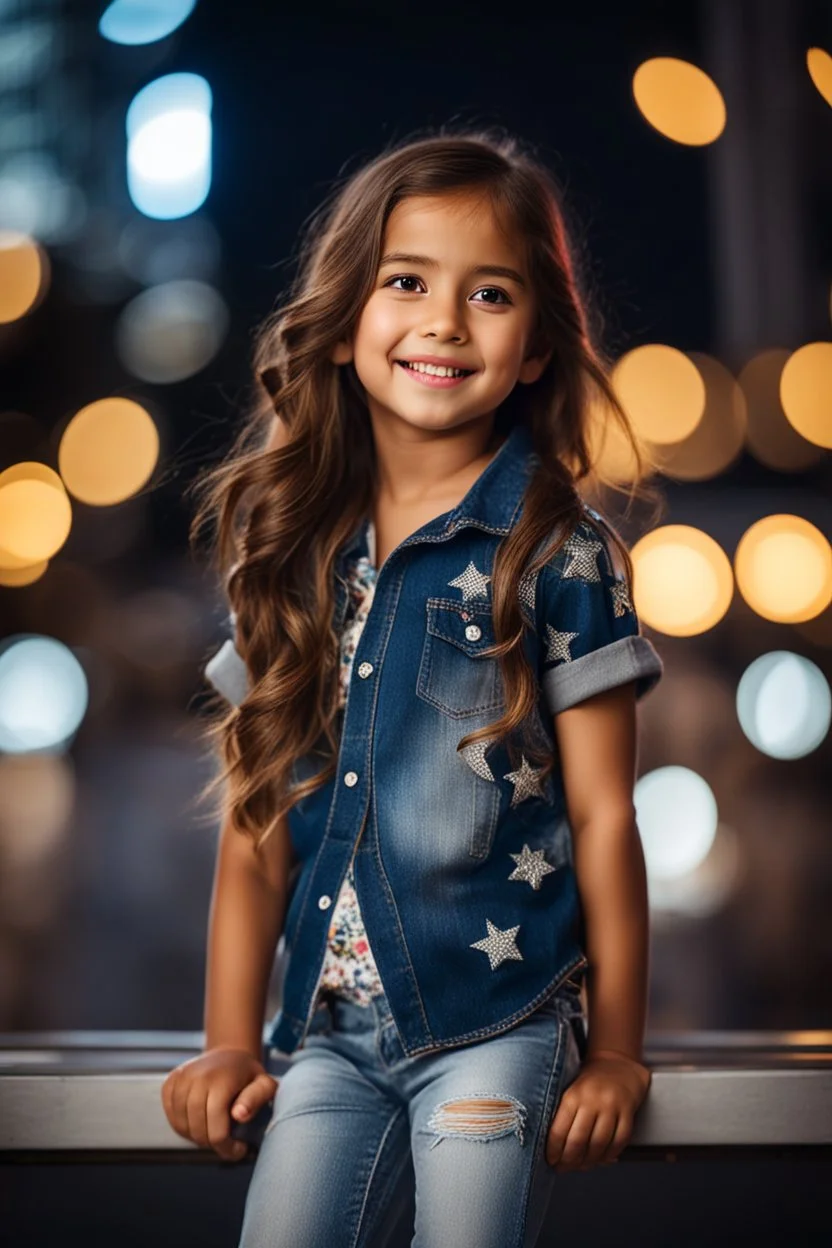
point(481, 1117)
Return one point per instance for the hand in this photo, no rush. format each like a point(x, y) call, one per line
point(200, 1095)
point(594, 1120)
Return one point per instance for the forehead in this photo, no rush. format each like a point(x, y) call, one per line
point(459, 226)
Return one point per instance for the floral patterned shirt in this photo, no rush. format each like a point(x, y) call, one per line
point(349, 968)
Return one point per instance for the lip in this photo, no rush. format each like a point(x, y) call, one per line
point(438, 383)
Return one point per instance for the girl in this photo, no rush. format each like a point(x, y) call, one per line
point(430, 748)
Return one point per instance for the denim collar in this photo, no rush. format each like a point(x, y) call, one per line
point(492, 502)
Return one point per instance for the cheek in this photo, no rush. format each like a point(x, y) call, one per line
point(504, 353)
point(379, 327)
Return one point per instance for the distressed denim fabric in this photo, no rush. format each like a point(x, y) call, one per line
point(358, 1129)
point(463, 865)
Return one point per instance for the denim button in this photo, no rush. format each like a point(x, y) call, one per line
point(473, 632)
point(351, 778)
point(324, 901)
point(364, 670)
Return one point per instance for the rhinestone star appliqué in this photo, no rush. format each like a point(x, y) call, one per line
point(558, 645)
point(499, 946)
point(525, 782)
point(473, 584)
point(531, 866)
point(621, 598)
point(474, 756)
point(584, 558)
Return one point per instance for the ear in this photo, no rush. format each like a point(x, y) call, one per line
point(533, 366)
point(342, 353)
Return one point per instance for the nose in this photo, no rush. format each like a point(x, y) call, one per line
point(444, 319)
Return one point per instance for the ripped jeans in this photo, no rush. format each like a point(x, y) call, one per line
point(356, 1124)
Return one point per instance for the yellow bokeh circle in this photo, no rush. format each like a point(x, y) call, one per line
point(819, 64)
point(661, 390)
point(806, 392)
point(24, 272)
point(35, 519)
point(783, 566)
point(108, 451)
point(682, 580)
point(679, 100)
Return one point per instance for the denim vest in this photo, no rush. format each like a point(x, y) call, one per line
point(463, 865)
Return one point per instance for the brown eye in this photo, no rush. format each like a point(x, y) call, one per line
point(406, 277)
point(495, 290)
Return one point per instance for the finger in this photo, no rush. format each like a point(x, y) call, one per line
point(576, 1142)
point(198, 1113)
point(621, 1139)
point(559, 1128)
point(599, 1141)
point(179, 1107)
point(218, 1125)
point(253, 1097)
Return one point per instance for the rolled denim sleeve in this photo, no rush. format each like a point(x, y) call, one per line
point(227, 671)
point(589, 631)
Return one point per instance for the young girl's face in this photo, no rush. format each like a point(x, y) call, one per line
point(462, 295)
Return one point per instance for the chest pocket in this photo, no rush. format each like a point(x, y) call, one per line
point(453, 674)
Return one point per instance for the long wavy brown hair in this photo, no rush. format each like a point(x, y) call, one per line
point(299, 476)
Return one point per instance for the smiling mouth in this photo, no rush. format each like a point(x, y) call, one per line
point(458, 374)
point(432, 381)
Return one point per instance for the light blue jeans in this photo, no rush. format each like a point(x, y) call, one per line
point(355, 1124)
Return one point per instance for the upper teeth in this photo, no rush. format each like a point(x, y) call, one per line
point(437, 370)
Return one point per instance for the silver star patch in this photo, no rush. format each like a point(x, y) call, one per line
point(531, 866)
point(621, 598)
point(473, 584)
point(584, 554)
point(474, 756)
point(525, 782)
point(558, 645)
point(499, 945)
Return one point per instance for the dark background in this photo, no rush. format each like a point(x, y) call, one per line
point(105, 927)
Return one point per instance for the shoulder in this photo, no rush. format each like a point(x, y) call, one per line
point(586, 551)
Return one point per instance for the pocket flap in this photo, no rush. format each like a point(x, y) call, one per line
point(460, 622)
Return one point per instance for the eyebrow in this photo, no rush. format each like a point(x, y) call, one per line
point(485, 270)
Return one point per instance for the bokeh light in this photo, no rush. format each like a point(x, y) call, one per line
point(784, 705)
point(662, 392)
point(676, 813)
point(43, 695)
point(170, 332)
point(679, 100)
point(24, 275)
point(35, 516)
point(135, 22)
point(683, 583)
point(770, 437)
point(819, 64)
point(169, 146)
point(108, 451)
point(783, 567)
point(806, 392)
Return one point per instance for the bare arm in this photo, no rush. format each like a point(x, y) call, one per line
point(248, 905)
point(597, 744)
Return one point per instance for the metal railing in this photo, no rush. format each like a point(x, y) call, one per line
point(96, 1096)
